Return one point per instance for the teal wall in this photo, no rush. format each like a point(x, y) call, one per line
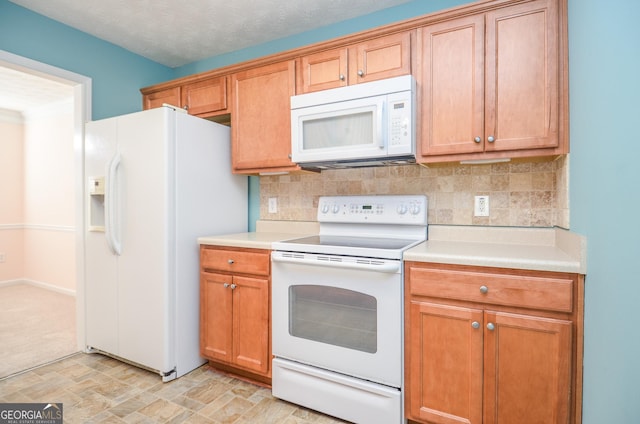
point(604, 64)
point(383, 17)
point(604, 59)
point(117, 74)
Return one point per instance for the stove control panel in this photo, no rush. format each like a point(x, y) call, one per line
point(384, 209)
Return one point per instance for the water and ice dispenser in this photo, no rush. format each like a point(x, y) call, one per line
point(95, 187)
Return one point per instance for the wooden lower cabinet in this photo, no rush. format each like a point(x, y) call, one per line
point(483, 362)
point(235, 310)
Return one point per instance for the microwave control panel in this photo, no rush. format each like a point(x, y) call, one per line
point(400, 113)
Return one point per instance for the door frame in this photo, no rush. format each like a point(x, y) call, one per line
point(82, 113)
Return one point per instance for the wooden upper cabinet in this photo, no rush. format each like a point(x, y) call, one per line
point(490, 84)
point(207, 97)
point(452, 86)
point(260, 118)
point(323, 70)
point(522, 76)
point(371, 60)
point(380, 58)
point(158, 98)
point(203, 97)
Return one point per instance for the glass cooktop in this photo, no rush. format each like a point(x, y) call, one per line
point(373, 247)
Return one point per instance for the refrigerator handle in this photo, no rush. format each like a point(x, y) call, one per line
point(111, 230)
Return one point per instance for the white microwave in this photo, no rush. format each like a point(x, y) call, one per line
point(366, 124)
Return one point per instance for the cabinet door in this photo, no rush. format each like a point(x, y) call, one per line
point(444, 369)
point(216, 316)
point(324, 70)
point(452, 80)
point(261, 118)
point(527, 369)
point(157, 99)
point(205, 98)
point(383, 57)
point(522, 76)
point(251, 324)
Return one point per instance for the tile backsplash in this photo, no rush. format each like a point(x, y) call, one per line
point(525, 193)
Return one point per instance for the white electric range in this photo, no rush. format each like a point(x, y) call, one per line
point(337, 307)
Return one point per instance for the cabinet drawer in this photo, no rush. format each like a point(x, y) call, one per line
point(237, 261)
point(537, 292)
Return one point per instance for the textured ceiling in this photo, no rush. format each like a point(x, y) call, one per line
point(177, 32)
point(21, 91)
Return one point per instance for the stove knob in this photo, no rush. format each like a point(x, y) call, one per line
point(336, 208)
point(402, 209)
point(325, 208)
point(415, 209)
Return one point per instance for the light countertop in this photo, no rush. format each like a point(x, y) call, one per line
point(266, 233)
point(541, 249)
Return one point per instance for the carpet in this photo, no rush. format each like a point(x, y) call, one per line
point(37, 326)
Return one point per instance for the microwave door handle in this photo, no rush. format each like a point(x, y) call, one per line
point(381, 112)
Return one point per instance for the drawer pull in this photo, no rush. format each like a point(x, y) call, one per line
point(484, 289)
point(231, 261)
point(475, 324)
point(490, 326)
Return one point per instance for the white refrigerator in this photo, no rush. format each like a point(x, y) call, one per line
point(155, 181)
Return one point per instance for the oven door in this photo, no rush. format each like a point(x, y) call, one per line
point(339, 313)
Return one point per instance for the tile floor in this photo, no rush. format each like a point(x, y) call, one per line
point(98, 389)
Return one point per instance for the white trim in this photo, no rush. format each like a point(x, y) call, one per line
point(11, 227)
point(82, 113)
point(42, 227)
point(62, 228)
point(11, 117)
point(40, 284)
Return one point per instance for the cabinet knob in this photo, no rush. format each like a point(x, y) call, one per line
point(490, 326)
point(475, 324)
point(484, 289)
point(491, 139)
point(226, 285)
point(477, 139)
point(360, 73)
point(231, 261)
point(341, 77)
point(185, 107)
point(233, 286)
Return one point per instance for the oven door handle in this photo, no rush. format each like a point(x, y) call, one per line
point(389, 267)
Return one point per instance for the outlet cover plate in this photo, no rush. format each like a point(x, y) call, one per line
point(481, 206)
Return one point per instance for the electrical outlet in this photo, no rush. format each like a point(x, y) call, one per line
point(481, 206)
point(273, 205)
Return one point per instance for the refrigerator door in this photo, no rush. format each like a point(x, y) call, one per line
point(145, 180)
point(101, 289)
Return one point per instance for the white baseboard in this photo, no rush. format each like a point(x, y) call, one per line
point(40, 284)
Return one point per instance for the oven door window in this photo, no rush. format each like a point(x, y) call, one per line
point(334, 316)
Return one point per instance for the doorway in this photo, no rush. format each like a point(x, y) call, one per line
point(68, 235)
